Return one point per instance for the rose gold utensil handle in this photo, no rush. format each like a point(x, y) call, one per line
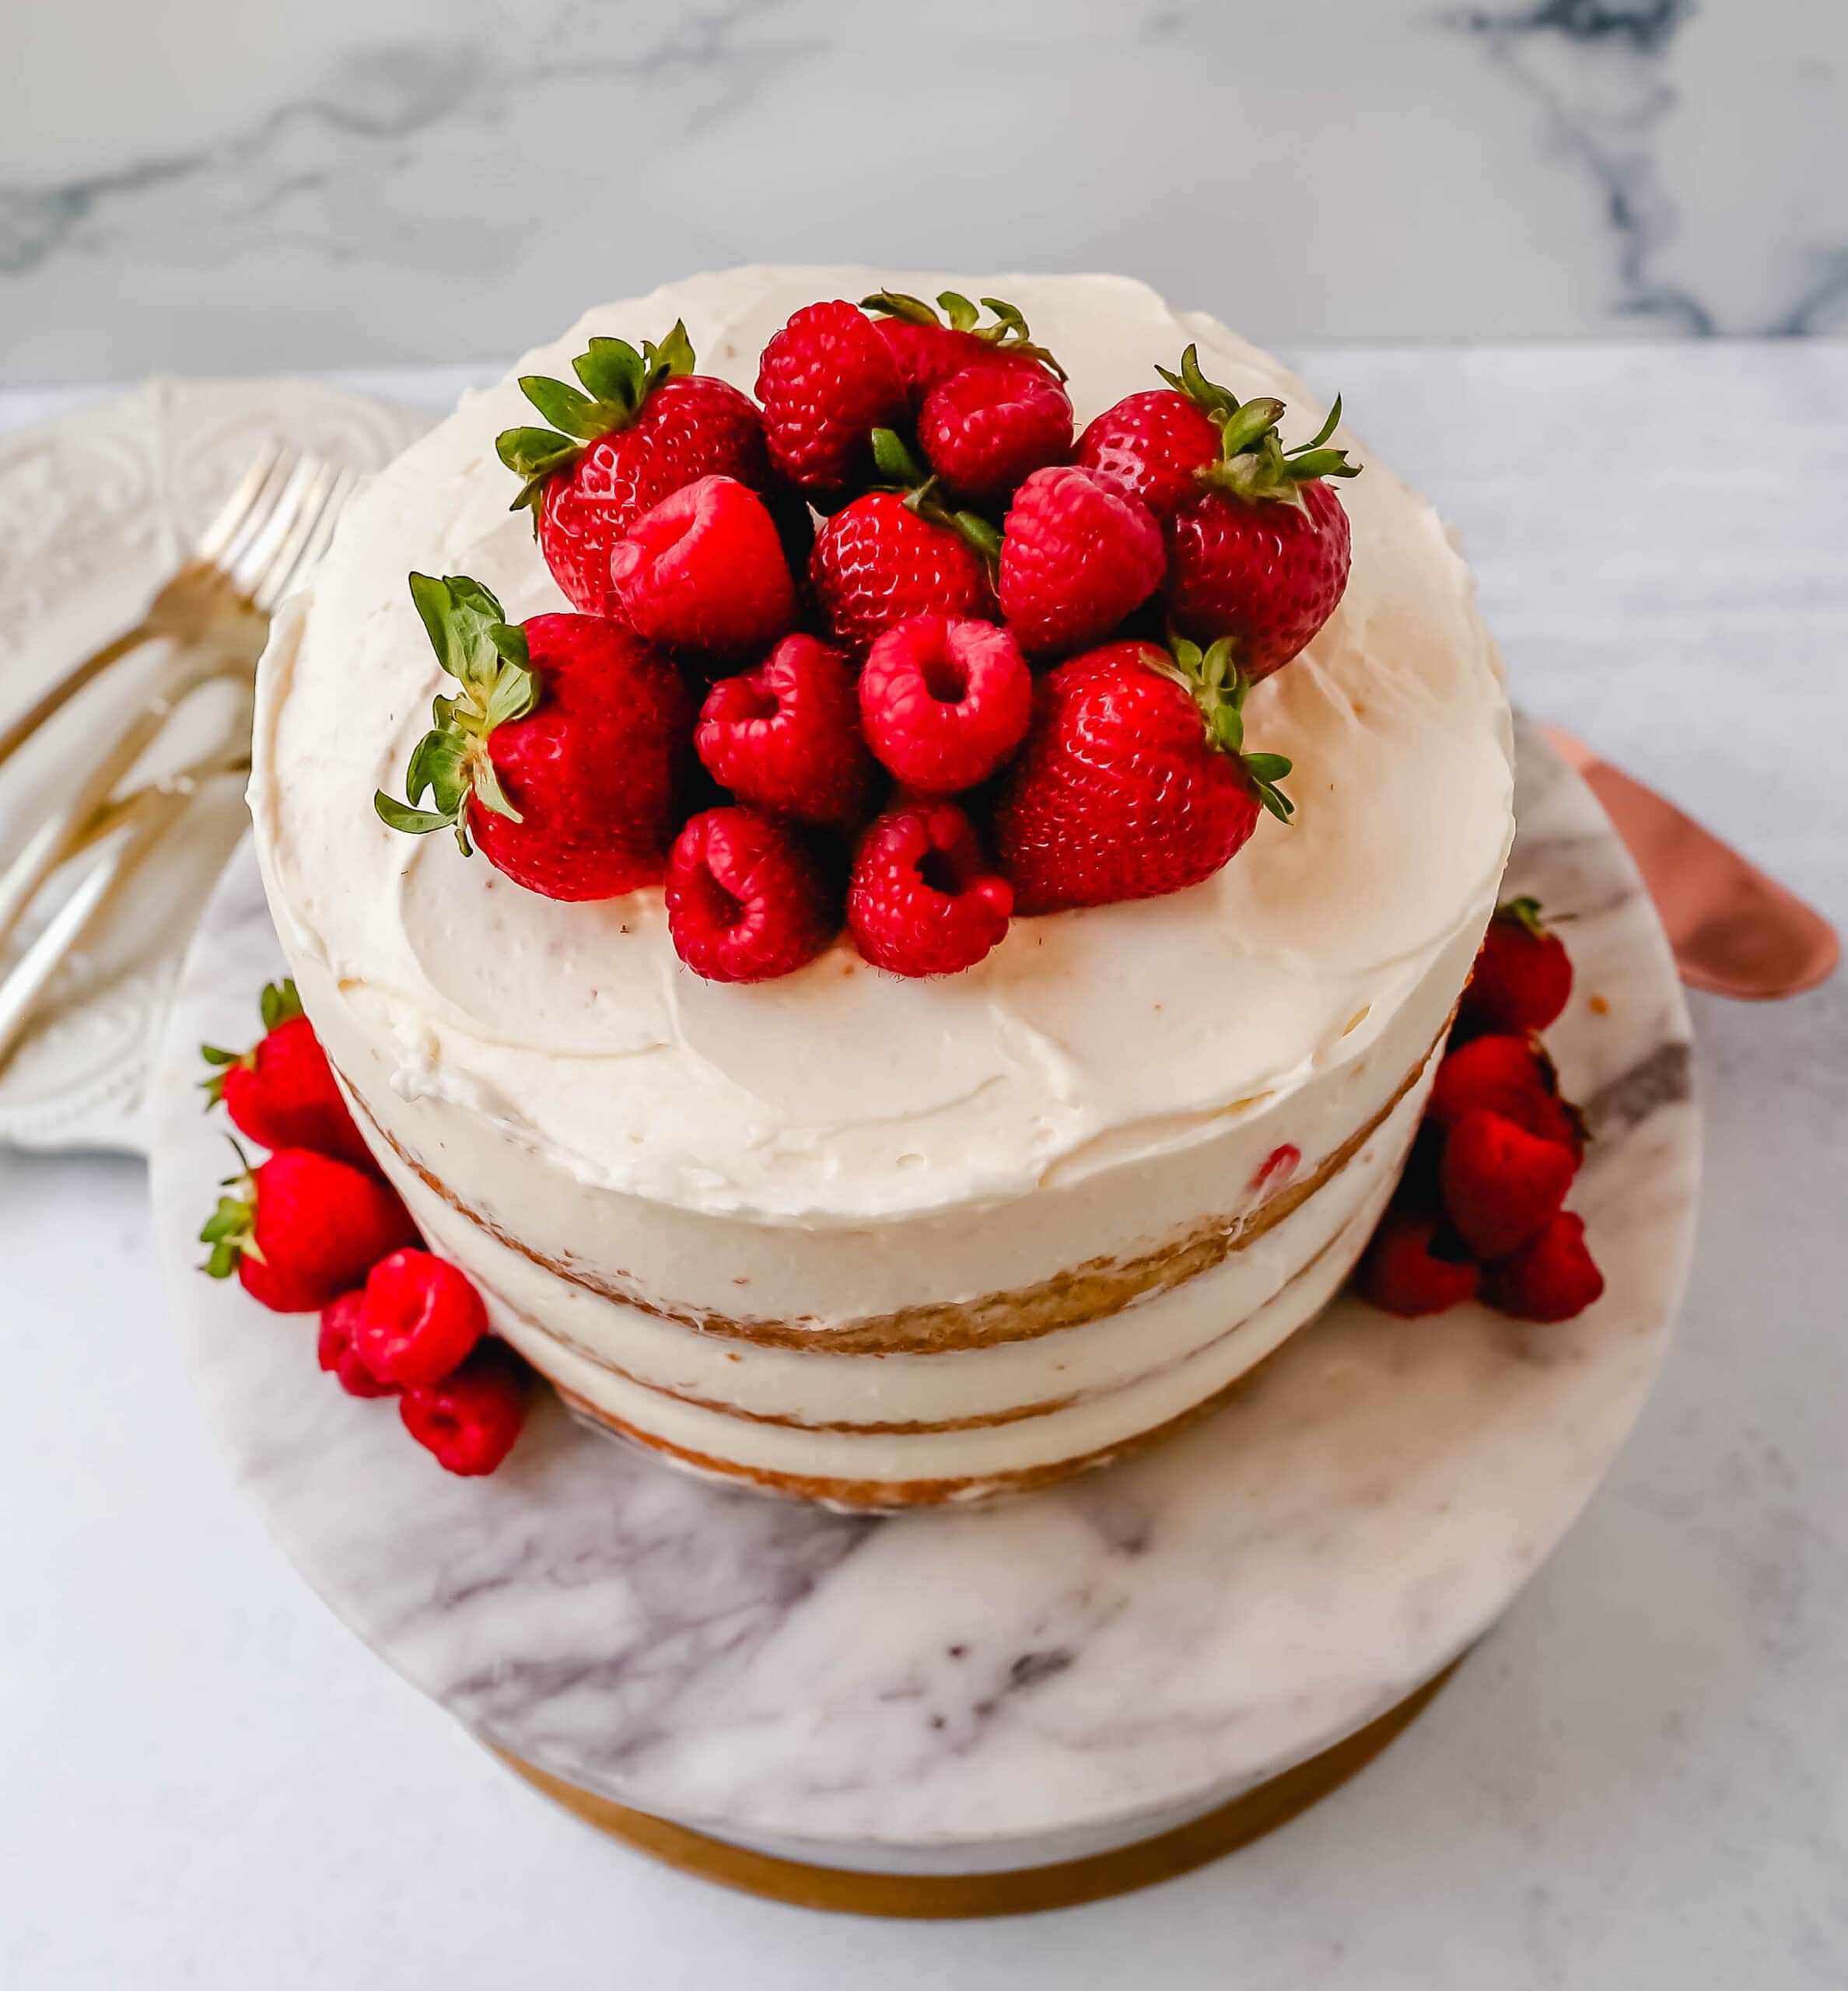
point(1734, 932)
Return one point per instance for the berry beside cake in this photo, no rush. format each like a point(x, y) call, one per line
point(909, 951)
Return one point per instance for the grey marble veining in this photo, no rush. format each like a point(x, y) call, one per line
point(379, 181)
point(1039, 1679)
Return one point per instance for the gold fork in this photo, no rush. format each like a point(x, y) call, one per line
point(215, 610)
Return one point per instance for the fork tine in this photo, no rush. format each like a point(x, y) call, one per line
point(314, 542)
point(230, 515)
point(255, 522)
point(269, 586)
point(256, 557)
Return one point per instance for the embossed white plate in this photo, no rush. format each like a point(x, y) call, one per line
point(96, 508)
point(1047, 1678)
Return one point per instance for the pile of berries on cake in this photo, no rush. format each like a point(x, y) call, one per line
point(1480, 1213)
point(889, 647)
point(316, 1228)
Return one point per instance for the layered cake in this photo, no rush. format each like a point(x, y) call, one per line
point(827, 1194)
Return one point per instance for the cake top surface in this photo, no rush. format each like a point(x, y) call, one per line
point(840, 1092)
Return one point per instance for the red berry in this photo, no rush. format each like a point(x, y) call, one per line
point(281, 1092)
point(1551, 1278)
point(1523, 974)
point(304, 1228)
point(983, 429)
point(926, 355)
point(422, 1318)
point(747, 899)
point(876, 562)
point(470, 1419)
point(564, 753)
point(944, 703)
point(1151, 444)
point(1131, 784)
point(827, 380)
point(641, 425)
point(922, 900)
point(1077, 555)
point(704, 573)
point(1509, 1076)
point(927, 349)
point(785, 737)
point(1266, 573)
point(339, 1321)
point(1402, 1271)
point(1500, 1184)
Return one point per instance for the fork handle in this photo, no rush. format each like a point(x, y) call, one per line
point(67, 688)
point(141, 826)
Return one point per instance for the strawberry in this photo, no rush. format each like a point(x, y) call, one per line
point(983, 429)
point(922, 900)
point(1077, 555)
point(894, 554)
point(339, 1321)
point(943, 703)
point(785, 737)
point(643, 423)
point(1500, 1184)
point(1260, 551)
point(564, 753)
point(704, 573)
point(747, 901)
point(1523, 973)
point(1405, 1269)
point(928, 349)
point(1551, 1278)
point(421, 1318)
point(281, 1092)
point(470, 1419)
point(303, 1229)
point(827, 380)
point(1152, 444)
point(1510, 1076)
point(1133, 781)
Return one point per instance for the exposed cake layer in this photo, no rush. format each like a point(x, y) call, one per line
point(617, 1359)
point(842, 1166)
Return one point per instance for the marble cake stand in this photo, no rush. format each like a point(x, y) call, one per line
point(1010, 1707)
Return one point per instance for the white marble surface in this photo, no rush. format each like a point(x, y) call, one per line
point(1037, 1679)
point(1636, 1781)
point(225, 184)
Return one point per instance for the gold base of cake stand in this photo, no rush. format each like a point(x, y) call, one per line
point(1023, 1891)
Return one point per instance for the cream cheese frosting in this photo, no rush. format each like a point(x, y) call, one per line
point(840, 1095)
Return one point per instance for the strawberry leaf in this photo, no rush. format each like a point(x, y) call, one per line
point(490, 659)
point(615, 383)
point(280, 1004)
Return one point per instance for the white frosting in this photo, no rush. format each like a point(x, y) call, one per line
point(1088, 1043)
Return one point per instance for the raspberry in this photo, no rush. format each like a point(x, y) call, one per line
point(984, 429)
point(1551, 1278)
point(785, 737)
point(1500, 1184)
point(746, 900)
point(470, 1419)
point(827, 380)
point(339, 1322)
point(420, 1320)
point(1402, 1271)
point(1077, 555)
point(704, 573)
point(922, 900)
point(943, 702)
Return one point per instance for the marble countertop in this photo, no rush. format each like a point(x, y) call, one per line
point(1638, 1780)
